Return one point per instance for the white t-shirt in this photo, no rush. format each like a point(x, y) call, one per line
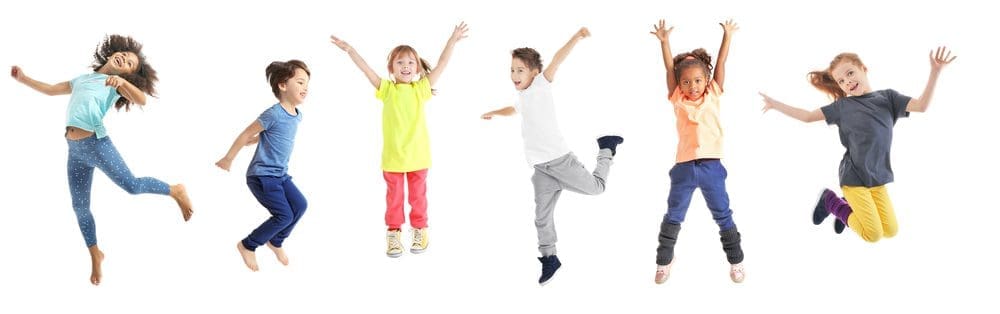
point(543, 141)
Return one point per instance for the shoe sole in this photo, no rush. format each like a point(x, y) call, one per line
point(393, 255)
point(543, 283)
point(417, 251)
point(819, 207)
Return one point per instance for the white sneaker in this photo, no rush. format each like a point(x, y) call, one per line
point(736, 273)
point(662, 273)
point(393, 247)
point(420, 241)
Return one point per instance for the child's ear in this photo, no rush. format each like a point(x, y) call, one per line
point(283, 86)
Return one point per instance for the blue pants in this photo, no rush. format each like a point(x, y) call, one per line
point(284, 201)
point(84, 156)
point(710, 176)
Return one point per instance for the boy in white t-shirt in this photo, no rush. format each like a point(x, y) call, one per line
point(556, 168)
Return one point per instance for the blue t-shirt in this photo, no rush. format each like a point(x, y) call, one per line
point(865, 124)
point(276, 142)
point(89, 102)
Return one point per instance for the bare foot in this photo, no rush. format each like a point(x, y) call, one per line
point(179, 193)
point(249, 257)
point(96, 257)
point(280, 253)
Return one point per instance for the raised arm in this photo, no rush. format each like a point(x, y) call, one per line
point(728, 28)
point(247, 137)
point(662, 33)
point(939, 59)
point(45, 88)
point(367, 70)
point(456, 35)
point(126, 89)
point(505, 111)
point(797, 113)
point(550, 71)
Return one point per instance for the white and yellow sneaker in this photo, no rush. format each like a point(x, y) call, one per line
point(394, 248)
point(420, 241)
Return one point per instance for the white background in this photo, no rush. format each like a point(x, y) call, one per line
point(211, 59)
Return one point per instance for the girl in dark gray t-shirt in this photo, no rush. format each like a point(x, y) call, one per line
point(865, 119)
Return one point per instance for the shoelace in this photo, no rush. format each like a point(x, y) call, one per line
point(737, 271)
point(394, 243)
point(418, 237)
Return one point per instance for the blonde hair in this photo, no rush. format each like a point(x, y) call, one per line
point(425, 66)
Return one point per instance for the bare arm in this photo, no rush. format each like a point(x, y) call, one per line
point(45, 88)
point(247, 137)
point(938, 60)
point(550, 71)
point(796, 113)
point(126, 89)
point(663, 34)
point(505, 111)
point(728, 28)
point(367, 70)
point(456, 35)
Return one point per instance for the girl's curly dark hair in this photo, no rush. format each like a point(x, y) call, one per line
point(144, 76)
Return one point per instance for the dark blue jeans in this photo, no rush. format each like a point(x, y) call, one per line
point(286, 204)
point(710, 176)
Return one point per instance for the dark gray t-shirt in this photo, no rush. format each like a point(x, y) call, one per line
point(865, 124)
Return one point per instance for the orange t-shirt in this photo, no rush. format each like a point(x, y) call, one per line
point(698, 129)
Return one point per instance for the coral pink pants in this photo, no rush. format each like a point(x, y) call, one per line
point(416, 181)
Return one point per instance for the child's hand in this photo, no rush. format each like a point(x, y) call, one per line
point(488, 115)
point(729, 27)
point(224, 163)
point(17, 73)
point(114, 81)
point(941, 58)
point(582, 33)
point(661, 31)
point(769, 103)
point(459, 32)
point(343, 45)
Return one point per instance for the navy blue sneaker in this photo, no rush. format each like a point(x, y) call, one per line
point(610, 142)
point(820, 212)
point(550, 264)
point(838, 226)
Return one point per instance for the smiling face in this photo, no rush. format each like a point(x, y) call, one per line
point(521, 74)
point(120, 63)
point(294, 90)
point(405, 67)
point(692, 82)
point(852, 78)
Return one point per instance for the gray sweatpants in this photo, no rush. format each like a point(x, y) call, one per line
point(551, 178)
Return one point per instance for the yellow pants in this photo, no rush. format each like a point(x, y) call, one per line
point(873, 217)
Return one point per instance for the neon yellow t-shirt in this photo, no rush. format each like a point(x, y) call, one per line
point(405, 142)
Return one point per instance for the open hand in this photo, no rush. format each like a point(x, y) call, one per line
point(941, 58)
point(661, 31)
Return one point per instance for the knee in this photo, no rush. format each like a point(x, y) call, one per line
point(283, 219)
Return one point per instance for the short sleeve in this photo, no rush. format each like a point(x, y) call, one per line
point(383, 89)
point(267, 118)
point(715, 89)
point(423, 89)
point(897, 103)
point(832, 112)
point(112, 96)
